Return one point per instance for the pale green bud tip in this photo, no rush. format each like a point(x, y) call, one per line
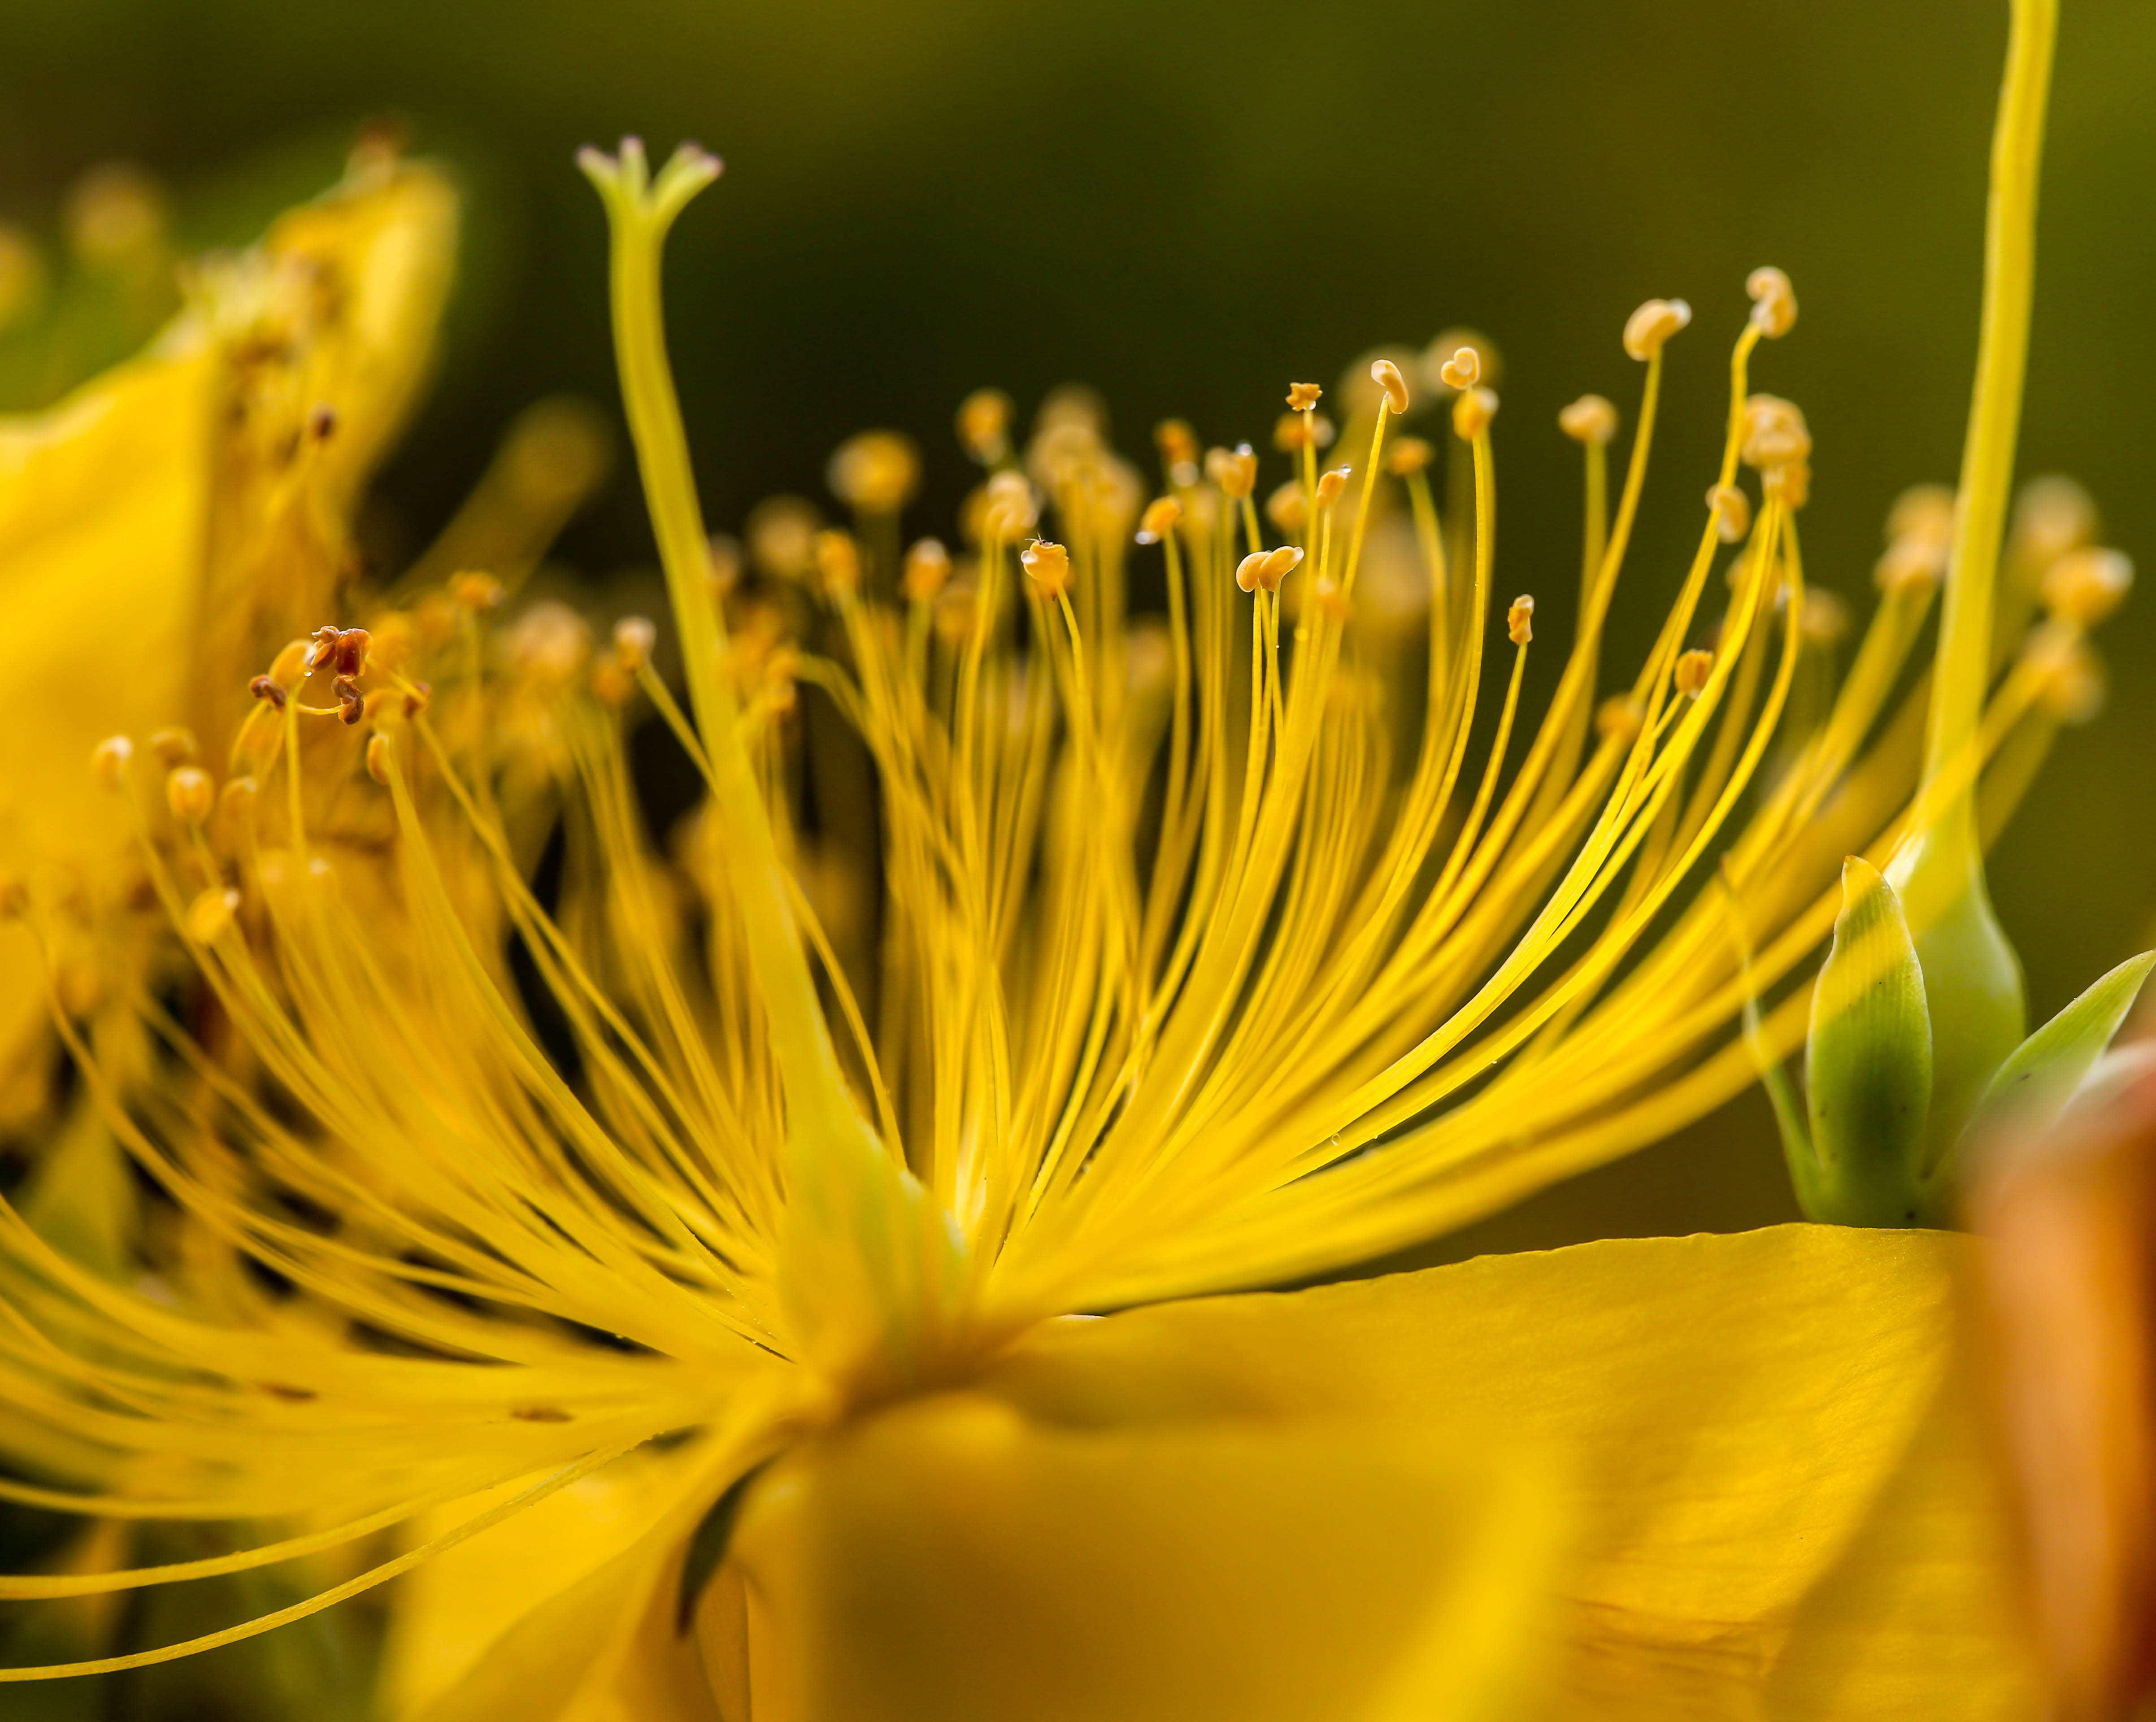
point(1869, 1063)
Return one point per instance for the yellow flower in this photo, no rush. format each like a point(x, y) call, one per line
point(174, 518)
point(764, 1294)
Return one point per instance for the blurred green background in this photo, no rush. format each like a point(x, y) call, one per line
point(1188, 204)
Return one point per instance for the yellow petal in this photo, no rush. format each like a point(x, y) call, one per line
point(1732, 1413)
point(380, 250)
point(951, 1560)
point(104, 507)
point(545, 1617)
point(1914, 1622)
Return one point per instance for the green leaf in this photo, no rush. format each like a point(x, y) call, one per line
point(2033, 1086)
point(1868, 1069)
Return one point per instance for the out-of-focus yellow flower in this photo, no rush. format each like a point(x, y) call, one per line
point(170, 521)
point(2067, 1209)
point(764, 1294)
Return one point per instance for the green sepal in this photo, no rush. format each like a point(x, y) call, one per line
point(1971, 976)
point(2033, 1086)
point(1868, 1064)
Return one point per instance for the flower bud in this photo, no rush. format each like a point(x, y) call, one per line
point(1868, 1065)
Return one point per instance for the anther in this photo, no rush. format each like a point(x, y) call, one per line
point(1650, 328)
point(1773, 302)
point(211, 913)
point(1910, 563)
point(1332, 602)
point(1293, 431)
point(1731, 510)
point(927, 567)
point(2051, 516)
point(265, 687)
point(2084, 586)
point(1234, 470)
point(1472, 411)
point(782, 537)
point(875, 472)
point(984, 425)
point(1926, 511)
point(190, 793)
point(1177, 444)
point(1774, 432)
point(1387, 376)
point(420, 696)
point(1409, 454)
point(235, 802)
point(1331, 483)
point(2074, 688)
point(1303, 396)
point(1009, 509)
point(1790, 484)
point(838, 563)
point(1693, 670)
point(633, 639)
point(476, 592)
point(1463, 370)
point(109, 760)
point(1589, 420)
point(351, 706)
point(1246, 570)
point(722, 561)
point(1288, 507)
point(1441, 351)
point(1520, 620)
point(1049, 566)
point(1618, 718)
point(1159, 519)
point(173, 747)
point(1825, 619)
point(1278, 565)
point(377, 756)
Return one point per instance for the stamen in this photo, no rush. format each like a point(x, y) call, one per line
point(109, 761)
point(878, 472)
point(1649, 328)
point(173, 747)
point(1288, 507)
point(210, 916)
point(1049, 566)
point(1520, 620)
point(1472, 411)
point(1693, 668)
point(1303, 396)
point(1590, 420)
point(1160, 518)
point(1387, 376)
point(2085, 586)
point(984, 426)
point(1773, 302)
point(927, 569)
point(190, 794)
point(1463, 370)
point(1408, 455)
point(1731, 510)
